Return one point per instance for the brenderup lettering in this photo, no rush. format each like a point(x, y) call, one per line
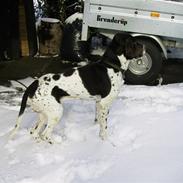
point(111, 20)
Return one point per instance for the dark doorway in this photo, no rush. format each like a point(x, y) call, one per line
point(17, 29)
point(9, 31)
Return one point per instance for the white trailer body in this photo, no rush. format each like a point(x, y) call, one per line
point(155, 17)
point(157, 21)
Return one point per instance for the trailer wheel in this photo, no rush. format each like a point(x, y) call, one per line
point(146, 69)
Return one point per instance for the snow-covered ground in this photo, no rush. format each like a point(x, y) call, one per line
point(145, 141)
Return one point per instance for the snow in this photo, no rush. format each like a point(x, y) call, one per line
point(144, 140)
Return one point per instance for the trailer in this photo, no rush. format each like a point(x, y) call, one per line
point(158, 24)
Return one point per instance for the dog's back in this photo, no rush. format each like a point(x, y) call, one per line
point(84, 82)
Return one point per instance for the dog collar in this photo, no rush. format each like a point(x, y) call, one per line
point(115, 66)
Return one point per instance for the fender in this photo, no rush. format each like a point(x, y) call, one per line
point(156, 39)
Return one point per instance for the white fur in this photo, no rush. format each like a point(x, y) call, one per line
point(124, 62)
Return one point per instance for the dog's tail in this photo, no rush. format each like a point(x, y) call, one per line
point(29, 92)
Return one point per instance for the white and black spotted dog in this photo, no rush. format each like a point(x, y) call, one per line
point(99, 81)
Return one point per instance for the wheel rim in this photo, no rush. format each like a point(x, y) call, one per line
point(141, 66)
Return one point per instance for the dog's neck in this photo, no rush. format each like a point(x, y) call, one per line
point(111, 60)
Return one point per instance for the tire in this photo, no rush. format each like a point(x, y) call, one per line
point(146, 69)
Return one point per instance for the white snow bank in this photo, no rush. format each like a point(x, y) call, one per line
point(144, 144)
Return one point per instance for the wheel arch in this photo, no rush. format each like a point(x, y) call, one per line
point(155, 39)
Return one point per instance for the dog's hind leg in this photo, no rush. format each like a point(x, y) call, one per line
point(37, 128)
point(54, 117)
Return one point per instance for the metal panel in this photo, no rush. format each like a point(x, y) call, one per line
point(148, 5)
point(134, 16)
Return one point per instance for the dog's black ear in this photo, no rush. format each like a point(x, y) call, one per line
point(129, 43)
point(121, 38)
point(119, 42)
point(133, 49)
point(129, 47)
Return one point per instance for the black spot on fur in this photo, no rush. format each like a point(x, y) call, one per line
point(58, 93)
point(69, 72)
point(36, 127)
point(56, 77)
point(95, 79)
point(47, 79)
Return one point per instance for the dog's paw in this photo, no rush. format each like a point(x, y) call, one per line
point(32, 130)
point(103, 135)
point(47, 139)
point(35, 136)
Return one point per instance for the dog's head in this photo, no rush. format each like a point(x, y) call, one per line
point(125, 44)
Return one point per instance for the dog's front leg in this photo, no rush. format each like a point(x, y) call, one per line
point(103, 113)
point(97, 111)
